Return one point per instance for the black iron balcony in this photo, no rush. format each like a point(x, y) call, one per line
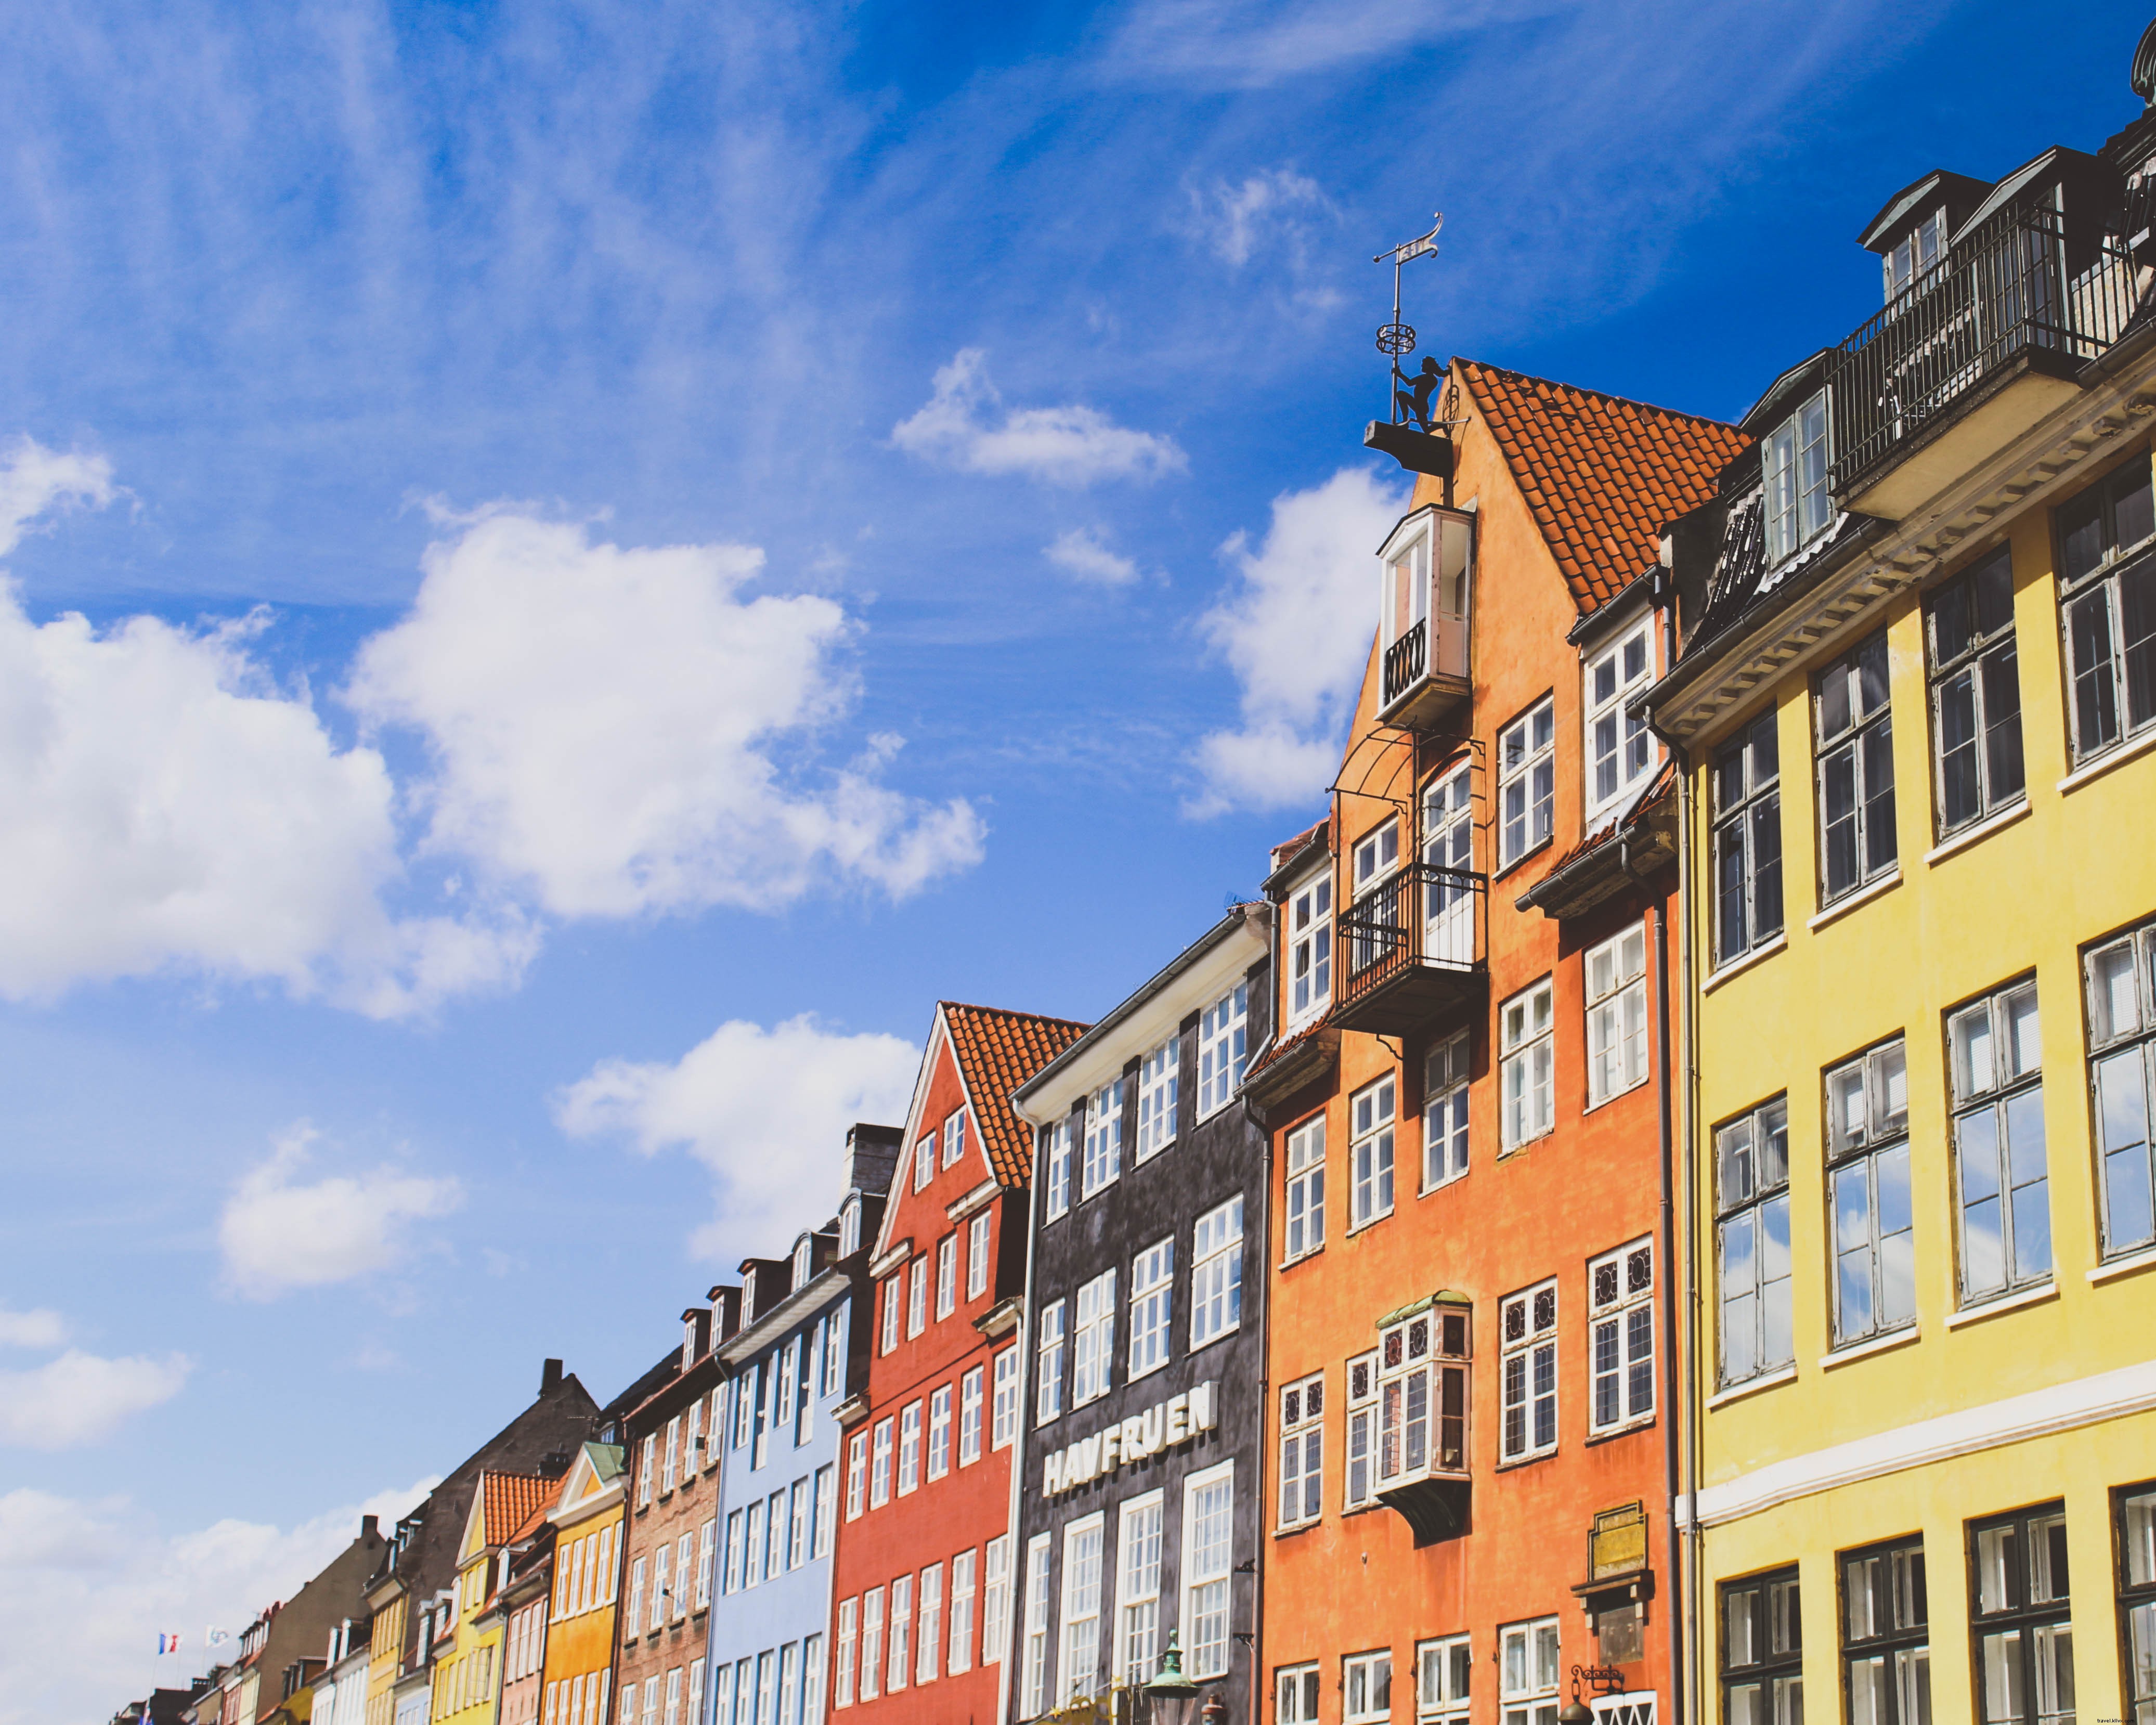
point(1416, 693)
point(1411, 948)
point(2024, 295)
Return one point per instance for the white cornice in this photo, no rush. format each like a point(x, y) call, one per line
point(979, 1198)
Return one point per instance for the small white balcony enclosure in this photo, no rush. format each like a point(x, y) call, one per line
point(1428, 581)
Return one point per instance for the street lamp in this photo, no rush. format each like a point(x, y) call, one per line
point(1170, 1693)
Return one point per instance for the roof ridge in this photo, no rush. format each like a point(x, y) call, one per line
point(1622, 401)
point(1013, 1012)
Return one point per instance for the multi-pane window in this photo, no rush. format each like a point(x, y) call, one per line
point(947, 1276)
point(954, 1137)
point(916, 1295)
point(1443, 1671)
point(1976, 693)
point(1747, 840)
point(1448, 849)
point(1527, 1028)
point(970, 1398)
point(1445, 1111)
point(1376, 854)
point(1527, 1672)
point(1886, 1654)
point(909, 1448)
point(977, 1255)
point(1752, 1242)
point(669, 1474)
point(1153, 1275)
point(1208, 1549)
point(1310, 948)
point(924, 1160)
point(961, 1656)
point(1104, 1137)
point(1366, 1688)
point(901, 1668)
point(2134, 1515)
point(1528, 1325)
point(1620, 1337)
point(798, 1502)
point(1867, 1153)
point(893, 1293)
point(1093, 1339)
point(1914, 258)
point(1370, 1151)
point(1422, 1396)
point(871, 1644)
point(1793, 466)
point(1055, 1170)
point(1295, 1695)
point(2019, 1613)
point(2121, 1029)
point(1002, 1428)
point(812, 1679)
point(857, 1482)
point(1620, 750)
point(1078, 1664)
point(2110, 608)
point(1305, 1188)
point(1996, 1067)
point(834, 1347)
point(1855, 745)
point(1762, 1651)
point(1048, 1401)
point(995, 1597)
point(1224, 1030)
point(1158, 1073)
point(1526, 783)
point(879, 1465)
point(1138, 1589)
point(827, 1490)
point(735, 1552)
point(939, 1433)
point(1616, 1014)
point(1302, 1451)
point(1033, 1657)
point(1359, 1478)
point(1216, 1272)
point(930, 1637)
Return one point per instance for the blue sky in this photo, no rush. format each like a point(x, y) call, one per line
point(600, 531)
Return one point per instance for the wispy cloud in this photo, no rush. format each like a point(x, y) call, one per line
point(83, 1398)
point(1272, 208)
point(965, 425)
point(1081, 554)
point(39, 1328)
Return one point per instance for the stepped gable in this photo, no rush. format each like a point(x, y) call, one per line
point(997, 1051)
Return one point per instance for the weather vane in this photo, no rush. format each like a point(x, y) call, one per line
point(1411, 395)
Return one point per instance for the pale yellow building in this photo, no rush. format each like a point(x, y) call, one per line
point(466, 1667)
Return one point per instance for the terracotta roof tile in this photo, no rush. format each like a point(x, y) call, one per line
point(996, 1052)
point(512, 1500)
point(1604, 475)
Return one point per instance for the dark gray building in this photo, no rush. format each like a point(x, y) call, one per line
point(1137, 1493)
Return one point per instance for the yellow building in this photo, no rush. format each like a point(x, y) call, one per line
point(1918, 701)
point(467, 1663)
point(389, 1601)
point(578, 1681)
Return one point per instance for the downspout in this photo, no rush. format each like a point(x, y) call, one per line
point(1264, 1403)
point(1005, 1708)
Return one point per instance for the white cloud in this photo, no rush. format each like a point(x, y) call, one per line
point(766, 1110)
point(39, 1328)
point(1080, 553)
point(35, 480)
point(1073, 445)
point(1230, 44)
point(1270, 207)
point(600, 721)
point(278, 1233)
point(1296, 627)
point(91, 1583)
point(81, 1397)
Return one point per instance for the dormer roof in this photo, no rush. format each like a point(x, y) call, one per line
point(1959, 193)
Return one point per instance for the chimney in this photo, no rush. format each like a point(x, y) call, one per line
point(550, 1377)
point(871, 1157)
point(370, 1527)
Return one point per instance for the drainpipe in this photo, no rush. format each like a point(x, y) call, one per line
point(1014, 1620)
point(1265, 1405)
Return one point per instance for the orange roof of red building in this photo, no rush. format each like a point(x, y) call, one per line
point(515, 1501)
point(1602, 475)
point(996, 1052)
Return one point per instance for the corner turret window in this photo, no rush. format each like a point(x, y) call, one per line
point(1795, 469)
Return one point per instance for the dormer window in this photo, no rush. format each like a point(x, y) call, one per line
point(804, 1257)
point(1423, 628)
point(1310, 948)
point(1794, 463)
point(1916, 256)
point(1620, 751)
point(849, 1227)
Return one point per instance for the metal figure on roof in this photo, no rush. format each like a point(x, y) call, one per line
point(1396, 340)
point(1411, 399)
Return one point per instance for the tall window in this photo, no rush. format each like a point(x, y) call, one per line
point(879, 1465)
point(995, 1597)
point(1762, 1651)
point(1216, 1272)
point(1886, 1654)
point(1445, 1111)
point(893, 1293)
point(909, 1448)
point(1223, 1049)
point(735, 1552)
point(939, 1433)
point(1855, 749)
point(1158, 1073)
point(871, 1644)
point(1617, 1015)
point(1093, 1339)
point(1526, 783)
point(1152, 1275)
point(834, 1350)
point(954, 1137)
point(1422, 1396)
point(1794, 465)
point(827, 1492)
point(842, 1681)
point(1078, 1663)
point(916, 1297)
point(1976, 693)
point(1620, 750)
point(924, 1160)
point(1448, 847)
point(1002, 1430)
point(1527, 1664)
point(1867, 1150)
point(1752, 1242)
point(2121, 1029)
point(1048, 1396)
point(1998, 1144)
point(1208, 1548)
point(961, 1659)
point(857, 1480)
point(977, 1255)
point(1443, 1670)
point(2024, 1643)
point(1528, 1321)
point(947, 1276)
point(1137, 1590)
point(1302, 1451)
point(1104, 1137)
point(812, 1678)
point(1310, 948)
point(1055, 1170)
point(1366, 1688)
point(2110, 607)
point(1526, 1024)
point(1033, 1659)
point(930, 1636)
point(2133, 1509)
point(1359, 1482)
point(1295, 1695)
point(1305, 1188)
point(1370, 1151)
point(901, 1667)
point(970, 1411)
point(1747, 840)
point(1620, 1342)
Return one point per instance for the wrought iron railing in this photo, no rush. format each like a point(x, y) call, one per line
point(1419, 915)
point(2020, 285)
point(1405, 661)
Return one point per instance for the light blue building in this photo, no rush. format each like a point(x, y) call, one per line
point(800, 1354)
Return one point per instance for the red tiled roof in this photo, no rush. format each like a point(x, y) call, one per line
point(1288, 847)
point(512, 1500)
point(996, 1052)
point(1602, 475)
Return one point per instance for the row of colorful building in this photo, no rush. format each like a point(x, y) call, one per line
point(1641, 1220)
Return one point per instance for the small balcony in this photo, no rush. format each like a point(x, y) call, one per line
point(1412, 949)
point(1424, 625)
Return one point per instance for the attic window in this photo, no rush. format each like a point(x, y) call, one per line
point(1916, 256)
point(849, 1229)
point(803, 1256)
point(1798, 506)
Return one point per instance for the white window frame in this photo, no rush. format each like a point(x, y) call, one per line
point(954, 1136)
point(972, 1414)
point(882, 1449)
point(916, 1297)
point(1093, 1339)
point(1304, 1210)
point(1152, 1306)
point(1048, 1396)
point(1795, 460)
point(1373, 1130)
point(1084, 1596)
point(995, 1597)
point(1423, 1369)
point(924, 1160)
point(1309, 979)
point(824, 1532)
point(977, 1255)
point(928, 1636)
point(898, 1665)
point(1527, 1029)
point(909, 1448)
point(1445, 1673)
point(1358, 1473)
point(1868, 1151)
point(963, 1578)
point(1752, 1279)
point(1530, 1664)
point(1003, 1406)
point(1159, 1074)
point(1615, 974)
point(939, 1432)
point(1140, 1538)
point(842, 1687)
point(1222, 1049)
point(893, 1294)
point(1207, 1577)
point(1295, 1694)
point(1055, 1170)
point(1103, 1162)
point(871, 1643)
point(1375, 857)
point(947, 1276)
point(1366, 1687)
point(1034, 1660)
point(1302, 1451)
point(1444, 1135)
point(1526, 783)
point(2118, 980)
point(1527, 1354)
point(735, 1550)
point(1216, 1273)
point(857, 1474)
point(1622, 1358)
point(1619, 752)
point(2002, 1164)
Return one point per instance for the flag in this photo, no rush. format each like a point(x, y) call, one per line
point(216, 1637)
point(168, 1644)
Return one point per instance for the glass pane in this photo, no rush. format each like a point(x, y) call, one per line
point(2080, 533)
point(1773, 1146)
point(1734, 1154)
point(1739, 1608)
point(2052, 1657)
point(2000, 1657)
point(1969, 1033)
point(1983, 1238)
point(1838, 804)
point(1890, 1100)
point(2136, 617)
point(1745, 1705)
point(2006, 774)
point(1960, 793)
point(1845, 1110)
point(2021, 1051)
point(1871, 667)
point(1766, 840)
point(1952, 624)
point(2096, 699)
point(2132, 519)
point(1897, 1259)
point(1868, 1693)
point(2025, 1172)
point(1998, 1569)
point(2114, 1002)
point(2139, 1514)
point(1834, 704)
point(2048, 1572)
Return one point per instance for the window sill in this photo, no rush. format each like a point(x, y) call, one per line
point(1851, 901)
point(2145, 1259)
point(1445, 1185)
point(1299, 1527)
point(1753, 1386)
point(2002, 1303)
point(1233, 1329)
point(1864, 1350)
point(1970, 836)
point(1526, 1460)
point(1737, 967)
point(1383, 1215)
point(1507, 1150)
point(2117, 755)
point(1615, 1096)
point(1288, 1263)
point(1524, 857)
point(1645, 1422)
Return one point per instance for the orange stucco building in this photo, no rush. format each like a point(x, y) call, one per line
point(1468, 1098)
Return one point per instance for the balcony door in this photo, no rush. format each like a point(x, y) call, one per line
point(1448, 853)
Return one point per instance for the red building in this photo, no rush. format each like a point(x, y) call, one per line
point(923, 1578)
